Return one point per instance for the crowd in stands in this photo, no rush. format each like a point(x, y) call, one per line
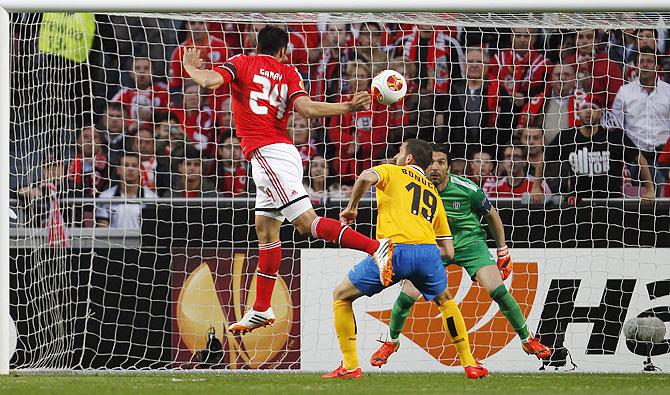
point(526, 112)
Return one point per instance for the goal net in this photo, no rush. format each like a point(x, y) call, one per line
point(134, 246)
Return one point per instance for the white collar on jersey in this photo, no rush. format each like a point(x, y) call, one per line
point(417, 168)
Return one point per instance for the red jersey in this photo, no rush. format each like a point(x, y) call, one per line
point(598, 75)
point(213, 53)
point(523, 74)
point(502, 189)
point(199, 127)
point(137, 100)
point(263, 90)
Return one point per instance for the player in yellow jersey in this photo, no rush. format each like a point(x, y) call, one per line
point(411, 214)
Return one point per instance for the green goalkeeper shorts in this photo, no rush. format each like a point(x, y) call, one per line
point(472, 257)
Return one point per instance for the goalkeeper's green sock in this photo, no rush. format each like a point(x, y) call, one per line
point(401, 308)
point(511, 310)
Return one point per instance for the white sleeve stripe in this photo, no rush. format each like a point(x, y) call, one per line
point(444, 238)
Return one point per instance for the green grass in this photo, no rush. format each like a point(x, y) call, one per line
point(379, 384)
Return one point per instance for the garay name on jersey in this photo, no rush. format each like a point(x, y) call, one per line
point(417, 177)
point(271, 75)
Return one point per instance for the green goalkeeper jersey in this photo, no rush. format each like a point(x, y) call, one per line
point(465, 204)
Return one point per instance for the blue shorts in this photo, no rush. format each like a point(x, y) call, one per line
point(419, 263)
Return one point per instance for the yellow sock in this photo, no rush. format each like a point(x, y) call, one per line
point(345, 327)
point(455, 326)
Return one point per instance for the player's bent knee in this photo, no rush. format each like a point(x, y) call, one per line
point(346, 291)
point(303, 224)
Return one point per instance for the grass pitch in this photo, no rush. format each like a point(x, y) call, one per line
point(301, 383)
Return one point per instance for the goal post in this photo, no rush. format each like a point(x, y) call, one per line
point(156, 296)
point(4, 180)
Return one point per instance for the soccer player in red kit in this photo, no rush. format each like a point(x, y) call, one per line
point(263, 91)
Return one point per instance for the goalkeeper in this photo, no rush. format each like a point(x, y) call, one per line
point(465, 204)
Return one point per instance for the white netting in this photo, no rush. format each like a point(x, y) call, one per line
point(516, 96)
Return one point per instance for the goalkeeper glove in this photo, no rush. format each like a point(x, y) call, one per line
point(504, 262)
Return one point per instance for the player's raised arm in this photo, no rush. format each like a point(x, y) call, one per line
point(209, 79)
point(367, 179)
point(309, 108)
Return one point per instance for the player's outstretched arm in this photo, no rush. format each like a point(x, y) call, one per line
point(367, 179)
point(309, 108)
point(209, 79)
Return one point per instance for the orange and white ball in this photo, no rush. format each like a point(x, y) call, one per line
point(389, 87)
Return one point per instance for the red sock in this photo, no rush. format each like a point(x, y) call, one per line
point(269, 260)
point(332, 230)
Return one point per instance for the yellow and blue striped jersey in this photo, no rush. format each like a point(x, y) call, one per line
point(409, 208)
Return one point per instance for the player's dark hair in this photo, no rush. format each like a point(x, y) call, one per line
point(443, 148)
point(645, 51)
point(421, 151)
point(271, 39)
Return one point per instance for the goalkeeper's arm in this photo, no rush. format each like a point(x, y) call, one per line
point(496, 227)
point(498, 232)
point(209, 79)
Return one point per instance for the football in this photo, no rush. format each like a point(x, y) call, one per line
point(389, 87)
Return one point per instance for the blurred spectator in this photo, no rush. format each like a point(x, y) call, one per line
point(88, 170)
point(319, 183)
point(514, 179)
point(633, 41)
point(555, 110)
point(457, 167)
point(642, 107)
point(145, 97)
point(299, 131)
point(154, 170)
point(432, 53)
point(122, 214)
point(42, 199)
point(229, 170)
point(471, 108)
point(592, 159)
point(188, 182)
point(521, 71)
point(113, 124)
point(312, 37)
point(224, 117)
point(357, 138)
point(213, 52)
point(197, 119)
point(169, 134)
point(595, 72)
point(533, 139)
point(230, 33)
point(369, 47)
point(480, 168)
point(328, 73)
